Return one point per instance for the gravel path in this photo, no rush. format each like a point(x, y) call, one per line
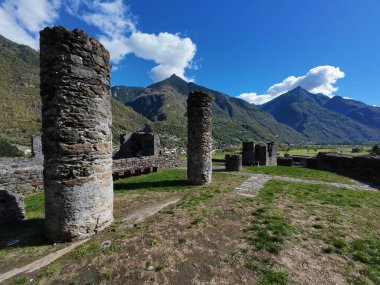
point(255, 182)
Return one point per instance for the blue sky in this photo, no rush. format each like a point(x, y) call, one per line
point(255, 49)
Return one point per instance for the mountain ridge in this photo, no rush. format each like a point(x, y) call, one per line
point(319, 119)
point(164, 103)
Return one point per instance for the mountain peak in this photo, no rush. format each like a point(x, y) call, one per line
point(298, 89)
point(175, 78)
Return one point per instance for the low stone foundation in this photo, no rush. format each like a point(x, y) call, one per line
point(284, 161)
point(365, 168)
point(24, 175)
point(122, 168)
point(233, 162)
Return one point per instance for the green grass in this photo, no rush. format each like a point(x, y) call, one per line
point(311, 193)
point(299, 172)
point(268, 230)
point(34, 206)
point(367, 251)
point(312, 151)
point(340, 213)
point(170, 180)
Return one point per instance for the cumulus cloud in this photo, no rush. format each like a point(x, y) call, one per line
point(21, 20)
point(171, 52)
point(119, 34)
point(320, 79)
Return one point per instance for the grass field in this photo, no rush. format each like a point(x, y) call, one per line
point(290, 233)
point(307, 151)
point(313, 150)
point(300, 172)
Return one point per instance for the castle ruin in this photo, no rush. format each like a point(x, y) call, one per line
point(257, 154)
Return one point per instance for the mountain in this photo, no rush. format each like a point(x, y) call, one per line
point(234, 120)
point(325, 120)
point(20, 103)
point(358, 111)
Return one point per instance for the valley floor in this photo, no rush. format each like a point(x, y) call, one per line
point(289, 233)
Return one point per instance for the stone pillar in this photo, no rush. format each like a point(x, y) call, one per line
point(37, 149)
point(199, 142)
point(261, 155)
point(76, 139)
point(248, 154)
point(233, 162)
point(271, 154)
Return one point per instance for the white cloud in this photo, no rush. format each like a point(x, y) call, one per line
point(21, 20)
point(119, 34)
point(171, 52)
point(320, 79)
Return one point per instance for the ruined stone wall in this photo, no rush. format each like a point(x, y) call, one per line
point(138, 144)
point(23, 175)
point(76, 140)
point(358, 167)
point(22, 180)
point(248, 153)
point(141, 163)
point(285, 161)
point(233, 162)
point(199, 133)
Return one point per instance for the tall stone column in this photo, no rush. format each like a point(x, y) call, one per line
point(76, 139)
point(199, 133)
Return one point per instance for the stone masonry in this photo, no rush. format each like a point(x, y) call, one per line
point(138, 144)
point(199, 132)
point(11, 207)
point(265, 154)
point(23, 175)
point(248, 154)
point(233, 162)
point(76, 139)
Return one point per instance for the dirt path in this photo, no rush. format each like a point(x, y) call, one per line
point(255, 182)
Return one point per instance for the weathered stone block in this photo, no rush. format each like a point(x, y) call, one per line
point(233, 162)
point(11, 207)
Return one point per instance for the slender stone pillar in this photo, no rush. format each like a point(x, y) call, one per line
point(248, 153)
point(199, 133)
point(76, 139)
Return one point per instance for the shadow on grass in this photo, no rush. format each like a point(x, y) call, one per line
point(164, 185)
point(29, 232)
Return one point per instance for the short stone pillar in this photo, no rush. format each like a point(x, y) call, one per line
point(199, 142)
point(233, 162)
point(248, 154)
point(76, 139)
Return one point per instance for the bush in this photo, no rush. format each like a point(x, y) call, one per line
point(375, 150)
point(9, 150)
